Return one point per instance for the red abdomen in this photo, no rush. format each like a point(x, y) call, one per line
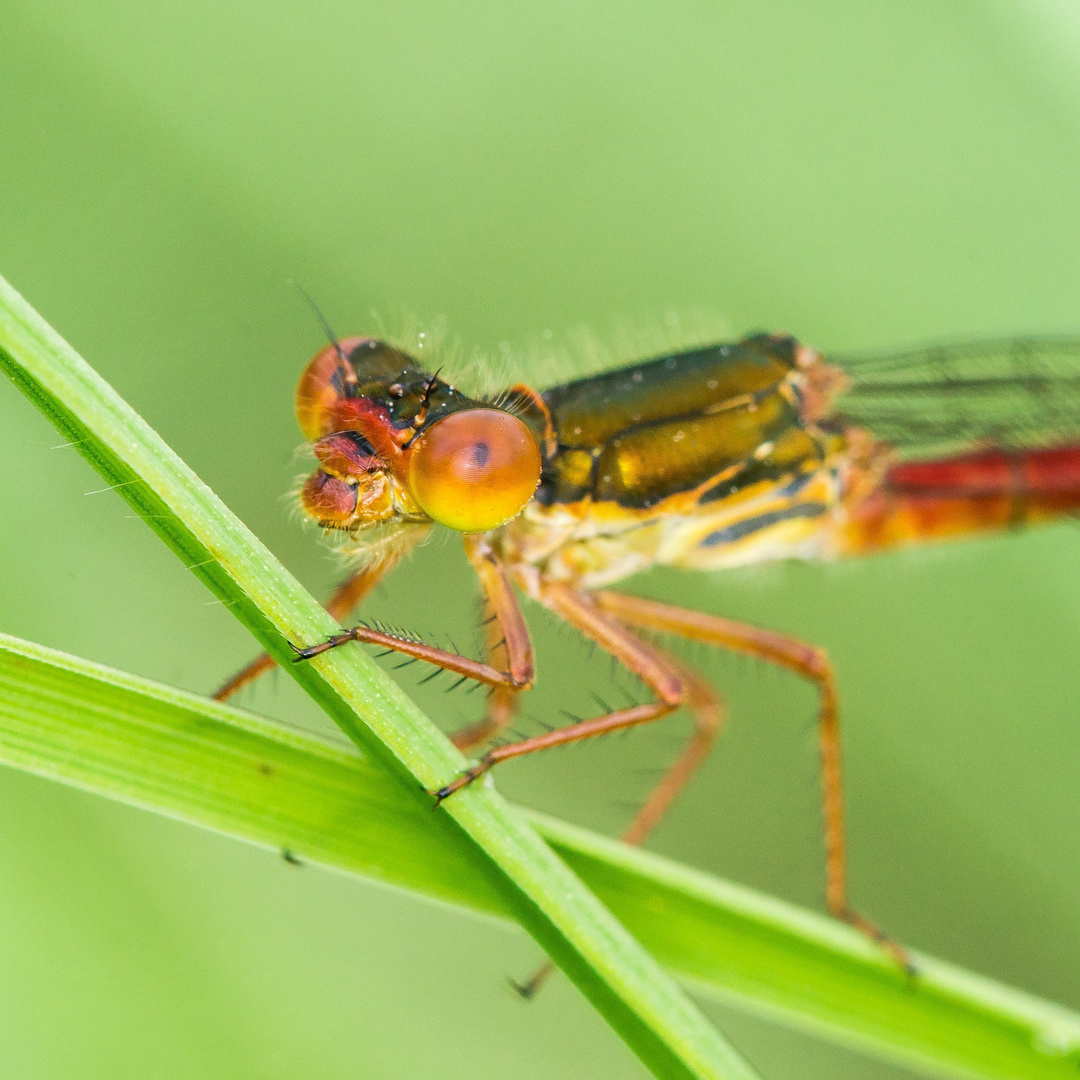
point(972, 493)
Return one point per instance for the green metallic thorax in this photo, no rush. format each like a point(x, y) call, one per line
point(703, 459)
point(643, 433)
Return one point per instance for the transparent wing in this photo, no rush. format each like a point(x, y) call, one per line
point(1022, 392)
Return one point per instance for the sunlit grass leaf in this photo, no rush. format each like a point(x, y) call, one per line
point(216, 766)
point(623, 982)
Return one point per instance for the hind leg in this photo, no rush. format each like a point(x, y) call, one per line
point(813, 664)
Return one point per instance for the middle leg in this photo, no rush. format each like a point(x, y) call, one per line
point(708, 712)
point(501, 702)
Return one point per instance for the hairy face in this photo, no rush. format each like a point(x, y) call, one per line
point(395, 444)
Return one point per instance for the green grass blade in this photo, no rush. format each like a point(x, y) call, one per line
point(197, 760)
point(623, 982)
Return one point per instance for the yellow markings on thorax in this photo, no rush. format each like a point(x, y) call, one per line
point(596, 543)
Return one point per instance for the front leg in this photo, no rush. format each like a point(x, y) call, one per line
point(501, 702)
point(346, 597)
point(660, 674)
point(507, 629)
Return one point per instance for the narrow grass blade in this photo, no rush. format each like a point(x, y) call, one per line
point(623, 982)
point(191, 758)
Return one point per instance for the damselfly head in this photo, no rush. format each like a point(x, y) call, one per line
point(395, 443)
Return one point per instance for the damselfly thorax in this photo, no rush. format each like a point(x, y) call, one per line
point(703, 460)
point(718, 456)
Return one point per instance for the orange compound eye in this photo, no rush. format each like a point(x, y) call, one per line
point(474, 470)
point(322, 386)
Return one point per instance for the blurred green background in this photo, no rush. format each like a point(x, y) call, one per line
point(860, 175)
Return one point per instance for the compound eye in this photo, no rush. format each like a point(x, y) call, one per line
point(322, 387)
point(474, 470)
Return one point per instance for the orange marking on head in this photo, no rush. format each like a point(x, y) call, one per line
point(345, 455)
point(322, 386)
point(373, 422)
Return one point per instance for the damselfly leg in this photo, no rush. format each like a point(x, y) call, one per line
point(802, 659)
point(348, 596)
point(605, 617)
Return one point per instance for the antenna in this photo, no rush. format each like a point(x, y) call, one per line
point(323, 321)
point(348, 374)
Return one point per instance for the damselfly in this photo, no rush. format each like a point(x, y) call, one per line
point(710, 458)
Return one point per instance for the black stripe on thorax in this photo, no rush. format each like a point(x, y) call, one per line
point(740, 529)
